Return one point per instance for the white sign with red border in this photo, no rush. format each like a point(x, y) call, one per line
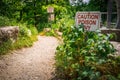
point(90, 20)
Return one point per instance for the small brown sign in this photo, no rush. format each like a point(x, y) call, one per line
point(50, 9)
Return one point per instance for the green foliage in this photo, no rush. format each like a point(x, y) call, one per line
point(27, 35)
point(41, 26)
point(52, 32)
point(34, 12)
point(64, 22)
point(5, 47)
point(61, 14)
point(21, 42)
point(4, 21)
point(59, 26)
point(27, 30)
point(33, 30)
point(81, 52)
point(24, 31)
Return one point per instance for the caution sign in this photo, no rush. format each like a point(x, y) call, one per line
point(90, 20)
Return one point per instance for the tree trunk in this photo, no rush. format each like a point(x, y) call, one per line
point(118, 14)
point(21, 13)
point(35, 18)
point(109, 12)
point(46, 2)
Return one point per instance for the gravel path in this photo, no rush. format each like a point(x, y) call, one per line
point(34, 63)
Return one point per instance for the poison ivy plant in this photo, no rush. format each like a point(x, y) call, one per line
point(81, 52)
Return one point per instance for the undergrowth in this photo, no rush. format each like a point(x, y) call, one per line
point(26, 36)
point(84, 55)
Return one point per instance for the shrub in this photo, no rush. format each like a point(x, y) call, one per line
point(5, 47)
point(64, 22)
point(81, 52)
point(33, 30)
point(26, 37)
point(4, 21)
point(24, 31)
point(22, 42)
point(41, 26)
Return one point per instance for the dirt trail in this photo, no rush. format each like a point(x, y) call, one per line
point(34, 63)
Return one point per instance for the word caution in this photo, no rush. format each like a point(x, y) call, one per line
point(90, 20)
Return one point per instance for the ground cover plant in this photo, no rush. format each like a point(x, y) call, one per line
point(84, 55)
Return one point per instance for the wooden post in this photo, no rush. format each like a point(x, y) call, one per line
point(109, 13)
point(50, 11)
point(118, 14)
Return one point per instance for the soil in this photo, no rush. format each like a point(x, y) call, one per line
point(34, 63)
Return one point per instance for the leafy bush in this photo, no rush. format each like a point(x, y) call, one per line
point(33, 30)
point(27, 30)
point(4, 21)
point(23, 31)
point(64, 22)
point(52, 32)
point(5, 47)
point(81, 53)
point(20, 43)
point(26, 37)
point(41, 26)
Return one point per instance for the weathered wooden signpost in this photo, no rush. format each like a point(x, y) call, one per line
point(50, 11)
point(90, 20)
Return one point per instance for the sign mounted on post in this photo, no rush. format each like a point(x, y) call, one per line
point(90, 20)
point(51, 15)
point(50, 9)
